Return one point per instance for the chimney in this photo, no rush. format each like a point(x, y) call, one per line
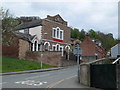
point(87, 36)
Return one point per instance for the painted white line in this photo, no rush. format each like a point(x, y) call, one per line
point(58, 82)
point(31, 82)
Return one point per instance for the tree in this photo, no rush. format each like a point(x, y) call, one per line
point(8, 25)
point(75, 33)
point(93, 34)
point(82, 35)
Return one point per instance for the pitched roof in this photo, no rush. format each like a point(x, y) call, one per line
point(29, 24)
point(26, 37)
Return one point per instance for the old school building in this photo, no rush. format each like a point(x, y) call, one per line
point(49, 36)
point(53, 32)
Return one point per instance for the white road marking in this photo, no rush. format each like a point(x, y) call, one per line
point(58, 82)
point(31, 82)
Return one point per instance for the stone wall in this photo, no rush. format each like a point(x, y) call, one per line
point(85, 74)
point(23, 48)
point(51, 58)
point(88, 58)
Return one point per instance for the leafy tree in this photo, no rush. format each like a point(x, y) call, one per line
point(75, 33)
point(82, 35)
point(93, 34)
point(8, 25)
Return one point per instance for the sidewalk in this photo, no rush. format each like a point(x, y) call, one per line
point(30, 71)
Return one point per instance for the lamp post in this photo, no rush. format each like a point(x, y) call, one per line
point(42, 37)
point(78, 52)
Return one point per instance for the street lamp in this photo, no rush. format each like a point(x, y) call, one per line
point(41, 41)
point(78, 52)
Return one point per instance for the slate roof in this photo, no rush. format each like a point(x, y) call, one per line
point(29, 24)
point(26, 37)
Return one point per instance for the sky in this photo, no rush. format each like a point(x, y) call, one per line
point(82, 14)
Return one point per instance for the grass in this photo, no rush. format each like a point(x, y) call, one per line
point(13, 64)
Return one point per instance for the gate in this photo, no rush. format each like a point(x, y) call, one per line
point(103, 76)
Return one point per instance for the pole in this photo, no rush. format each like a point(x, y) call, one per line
point(78, 63)
point(41, 58)
point(68, 53)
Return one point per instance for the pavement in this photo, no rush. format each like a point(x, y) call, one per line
point(30, 71)
point(53, 78)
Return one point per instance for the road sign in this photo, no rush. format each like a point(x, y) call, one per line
point(77, 51)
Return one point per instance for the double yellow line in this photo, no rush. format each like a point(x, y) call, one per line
point(58, 82)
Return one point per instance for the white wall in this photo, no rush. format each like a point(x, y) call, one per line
point(114, 51)
point(22, 31)
point(36, 31)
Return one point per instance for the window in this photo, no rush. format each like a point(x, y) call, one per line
point(54, 32)
point(54, 48)
point(61, 48)
point(26, 31)
point(31, 46)
point(38, 47)
point(61, 35)
point(35, 47)
point(46, 47)
point(58, 33)
point(58, 46)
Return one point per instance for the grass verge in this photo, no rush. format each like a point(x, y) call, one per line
point(13, 65)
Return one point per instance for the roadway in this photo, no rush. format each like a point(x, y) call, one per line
point(64, 78)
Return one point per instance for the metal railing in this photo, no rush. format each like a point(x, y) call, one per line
point(116, 60)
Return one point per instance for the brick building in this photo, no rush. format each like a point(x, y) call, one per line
point(50, 35)
point(52, 31)
point(92, 49)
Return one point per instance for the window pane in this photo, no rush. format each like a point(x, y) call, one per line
point(57, 33)
point(60, 34)
point(54, 33)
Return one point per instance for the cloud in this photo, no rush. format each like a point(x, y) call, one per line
point(100, 16)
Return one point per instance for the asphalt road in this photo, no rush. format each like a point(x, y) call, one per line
point(64, 78)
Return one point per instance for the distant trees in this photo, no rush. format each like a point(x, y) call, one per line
point(107, 39)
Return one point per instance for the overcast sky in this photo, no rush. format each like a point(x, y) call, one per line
point(100, 16)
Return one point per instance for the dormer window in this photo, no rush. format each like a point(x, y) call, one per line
point(57, 33)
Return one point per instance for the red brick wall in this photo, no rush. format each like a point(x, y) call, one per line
point(10, 51)
point(48, 29)
point(88, 48)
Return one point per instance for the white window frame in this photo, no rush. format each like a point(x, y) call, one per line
point(48, 44)
point(57, 30)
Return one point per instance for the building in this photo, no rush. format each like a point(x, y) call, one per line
point(53, 32)
point(92, 49)
point(48, 38)
point(115, 50)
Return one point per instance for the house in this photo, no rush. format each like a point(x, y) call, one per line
point(115, 50)
point(53, 32)
point(92, 49)
point(49, 37)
